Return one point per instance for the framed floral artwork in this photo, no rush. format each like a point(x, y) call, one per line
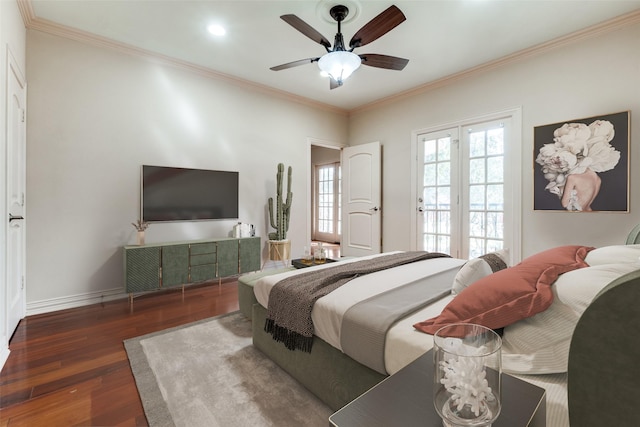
point(582, 165)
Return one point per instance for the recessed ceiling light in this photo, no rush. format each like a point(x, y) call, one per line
point(216, 30)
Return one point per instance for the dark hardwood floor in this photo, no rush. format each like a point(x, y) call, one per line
point(70, 368)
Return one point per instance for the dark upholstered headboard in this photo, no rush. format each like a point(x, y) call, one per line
point(604, 358)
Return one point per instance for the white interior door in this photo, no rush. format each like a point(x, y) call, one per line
point(361, 206)
point(16, 183)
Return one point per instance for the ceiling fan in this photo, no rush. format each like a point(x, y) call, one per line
point(340, 62)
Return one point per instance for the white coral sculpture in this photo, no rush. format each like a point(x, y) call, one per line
point(465, 379)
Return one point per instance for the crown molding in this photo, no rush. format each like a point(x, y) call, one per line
point(32, 22)
point(593, 31)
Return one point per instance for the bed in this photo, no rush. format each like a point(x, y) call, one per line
point(541, 348)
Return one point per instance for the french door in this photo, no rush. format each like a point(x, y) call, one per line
point(438, 219)
point(328, 183)
point(465, 205)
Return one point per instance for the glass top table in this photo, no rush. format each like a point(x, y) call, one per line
point(406, 399)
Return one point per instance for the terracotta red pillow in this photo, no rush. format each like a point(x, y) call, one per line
point(512, 294)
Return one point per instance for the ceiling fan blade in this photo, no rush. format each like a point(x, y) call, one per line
point(294, 64)
point(378, 27)
point(306, 29)
point(383, 61)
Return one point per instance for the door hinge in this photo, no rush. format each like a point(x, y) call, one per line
point(22, 115)
point(22, 284)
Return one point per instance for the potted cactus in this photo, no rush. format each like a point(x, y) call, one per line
point(279, 246)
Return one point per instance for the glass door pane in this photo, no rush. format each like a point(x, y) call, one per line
point(327, 225)
point(484, 147)
point(437, 192)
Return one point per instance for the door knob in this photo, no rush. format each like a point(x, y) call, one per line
point(15, 217)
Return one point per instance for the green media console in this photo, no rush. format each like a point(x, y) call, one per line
point(164, 265)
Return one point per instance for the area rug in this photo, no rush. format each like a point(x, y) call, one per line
point(208, 373)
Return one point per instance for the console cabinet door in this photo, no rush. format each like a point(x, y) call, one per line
point(227, 257)
point(202, 261)
point(141, 269)
point(249, 254)
point(175, 265)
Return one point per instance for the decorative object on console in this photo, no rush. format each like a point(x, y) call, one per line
point(467, 375)
point(574, 160)
point(279, 246)
point(243, 230)
point(140, 226)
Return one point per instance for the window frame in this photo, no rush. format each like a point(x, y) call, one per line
point(334, 237)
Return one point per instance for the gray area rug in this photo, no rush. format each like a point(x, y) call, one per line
point(209, 374)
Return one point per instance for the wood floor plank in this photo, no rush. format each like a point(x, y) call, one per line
point(70, 367)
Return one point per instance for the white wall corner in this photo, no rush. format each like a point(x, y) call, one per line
point(4, 352)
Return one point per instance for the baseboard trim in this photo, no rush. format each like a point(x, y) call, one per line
point(73, 301)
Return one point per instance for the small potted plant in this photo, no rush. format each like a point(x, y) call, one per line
point(140, 226)
point(279, 246)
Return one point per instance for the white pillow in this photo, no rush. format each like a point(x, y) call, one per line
point(540, 344)
point(613, 254)
point(477, 268)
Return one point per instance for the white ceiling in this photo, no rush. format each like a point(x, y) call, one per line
point(440, 38)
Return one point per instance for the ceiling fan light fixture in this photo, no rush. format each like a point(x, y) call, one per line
point(339, 65)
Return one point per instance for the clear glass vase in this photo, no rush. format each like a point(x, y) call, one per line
point(467, 375)
point(319, 256)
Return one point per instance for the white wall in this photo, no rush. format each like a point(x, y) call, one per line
point(96, 115)
point(12, 36)
point(592, 77)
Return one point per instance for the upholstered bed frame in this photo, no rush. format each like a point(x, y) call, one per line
point(604, 358)
point(328, 373)
point(603, 373)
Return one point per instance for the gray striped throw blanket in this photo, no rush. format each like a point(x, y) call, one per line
point(291, 299)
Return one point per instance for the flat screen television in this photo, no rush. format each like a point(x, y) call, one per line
point(180, 194)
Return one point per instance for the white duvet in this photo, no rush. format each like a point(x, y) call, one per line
point(403, 343)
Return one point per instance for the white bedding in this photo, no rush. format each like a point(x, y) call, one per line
point(403, 343)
